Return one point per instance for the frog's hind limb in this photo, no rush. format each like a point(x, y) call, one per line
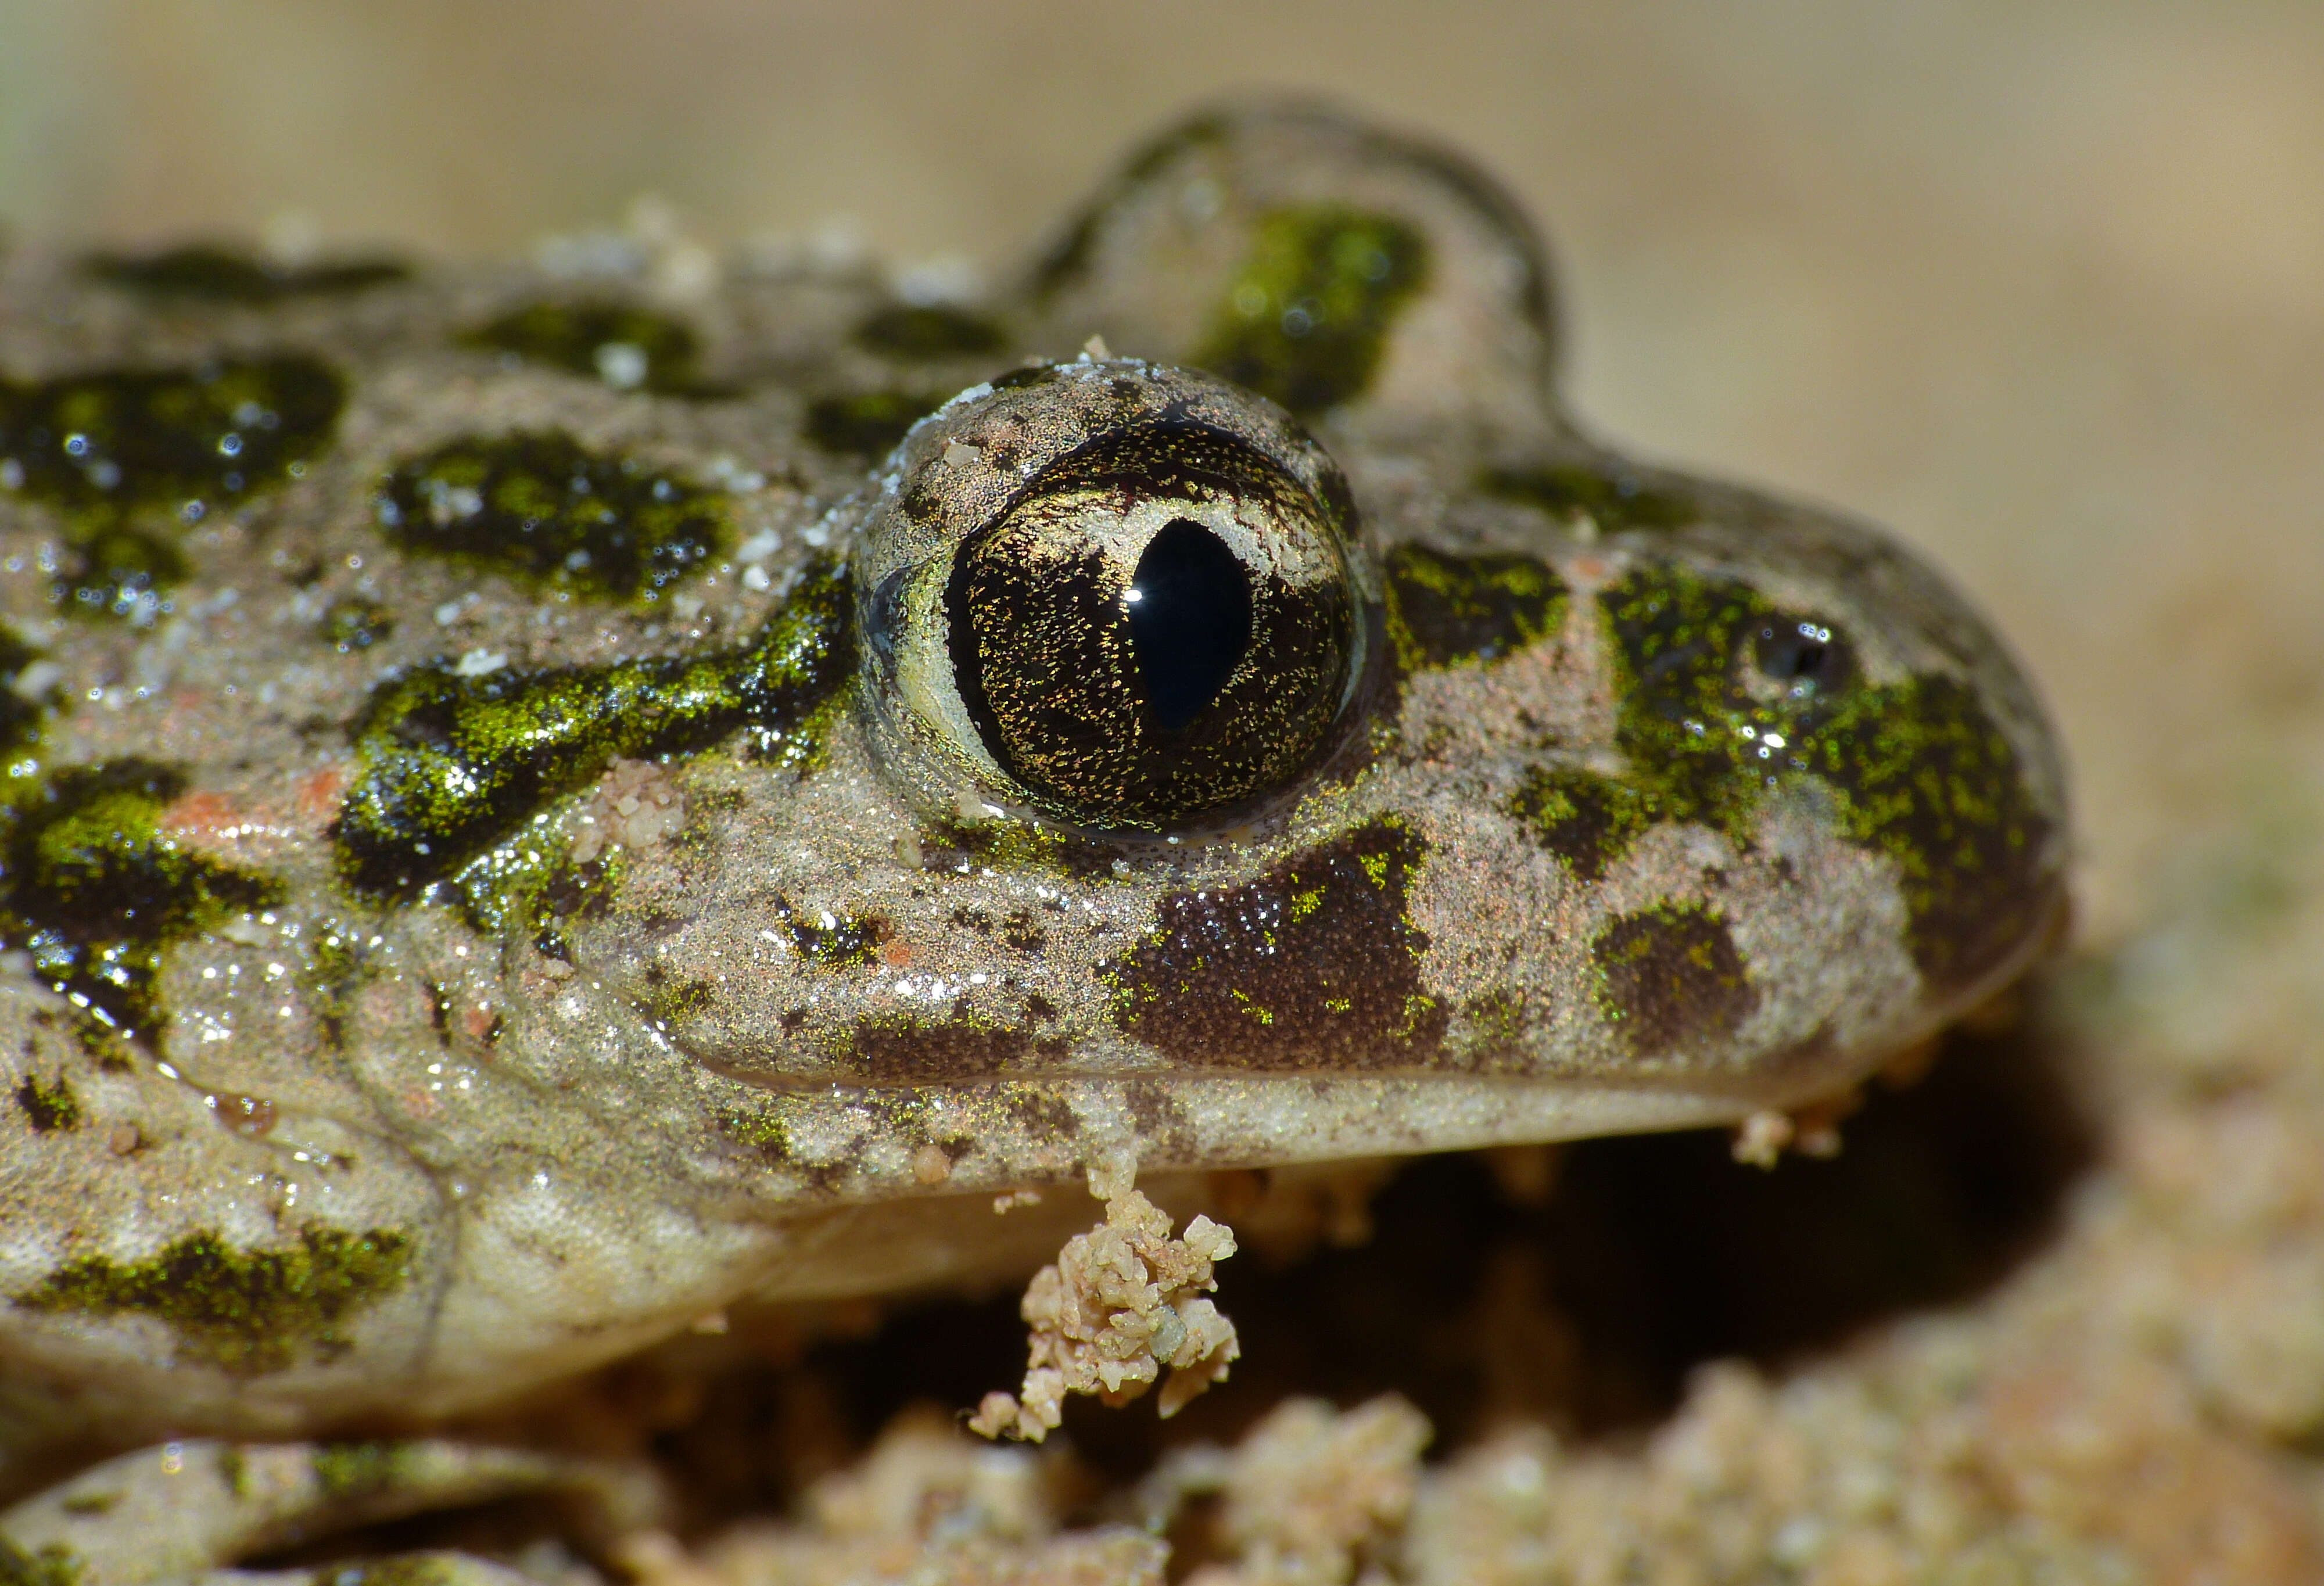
point(191, 1509)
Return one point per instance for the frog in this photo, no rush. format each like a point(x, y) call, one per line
point(545, 801)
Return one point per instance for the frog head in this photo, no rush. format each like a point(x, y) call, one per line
point(1282, 714)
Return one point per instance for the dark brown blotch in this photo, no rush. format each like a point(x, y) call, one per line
point(1038, 1112)
point(208, 273)
point(867, 423)
point(1161, 1121)
point(1020, 935)
point(962, 1048)
point(1582, 818)
point(1610, 496)
point(1466, 610)
point(1314, 964)
point(929, 331)
point(1670, 976)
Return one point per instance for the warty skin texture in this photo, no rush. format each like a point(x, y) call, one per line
point(527, 969)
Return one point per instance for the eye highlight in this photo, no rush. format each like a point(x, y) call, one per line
point(1154, 627)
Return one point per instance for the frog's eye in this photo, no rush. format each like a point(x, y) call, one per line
point(1803, 658)
point(1128, 598)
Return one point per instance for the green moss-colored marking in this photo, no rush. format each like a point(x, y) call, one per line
point(21, 718)
point(1587, 820)
point(118, 571)
point(194, 437)
point(1670, 974)
point(868, 423)
point(801, 747)
point(834, 941)
point(54, 1565)
point(542, 508)
point(105, 447)
point(1612, 497)
point(1313, 964)
point(234, 1470)
point(96, 892)
point(668, 1001)
point(246, 1311)
point(531, 885)
point(453, 765)
point(1465, 611)
point(1493, 1031)
point(1305, 318)
point(93, 1503)
point(1918, 770)
point(772, 1127)
point(1693, 733)
point(1028, 376)
point(338, 964)
point(1927, 779)
point(626, 347)
point(766, 1130)
point(1010, 844)
point(210, 273)
point(357, 624)
point(933, 331)
point(360, 1470)
point(51, 1106)
point(402, 1569)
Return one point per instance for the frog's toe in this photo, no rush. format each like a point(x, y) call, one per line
point(191, 1509)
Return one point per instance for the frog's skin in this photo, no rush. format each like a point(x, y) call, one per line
point(454, 964)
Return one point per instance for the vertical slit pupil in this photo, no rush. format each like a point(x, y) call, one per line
point(1189, 609)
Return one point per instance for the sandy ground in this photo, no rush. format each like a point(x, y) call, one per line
point(2042, 287)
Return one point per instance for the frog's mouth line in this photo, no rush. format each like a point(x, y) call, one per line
point(867, 1143)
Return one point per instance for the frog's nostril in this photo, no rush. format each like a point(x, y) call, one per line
point(1806, 654)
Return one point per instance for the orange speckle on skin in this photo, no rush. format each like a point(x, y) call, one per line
point(896, 954)
point(477, 1020)
point(319, 794)
point(420, 1104)
point(201, 815)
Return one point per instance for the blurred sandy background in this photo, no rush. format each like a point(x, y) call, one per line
point(2041, 285)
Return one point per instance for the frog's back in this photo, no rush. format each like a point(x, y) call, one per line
point(523, 817)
